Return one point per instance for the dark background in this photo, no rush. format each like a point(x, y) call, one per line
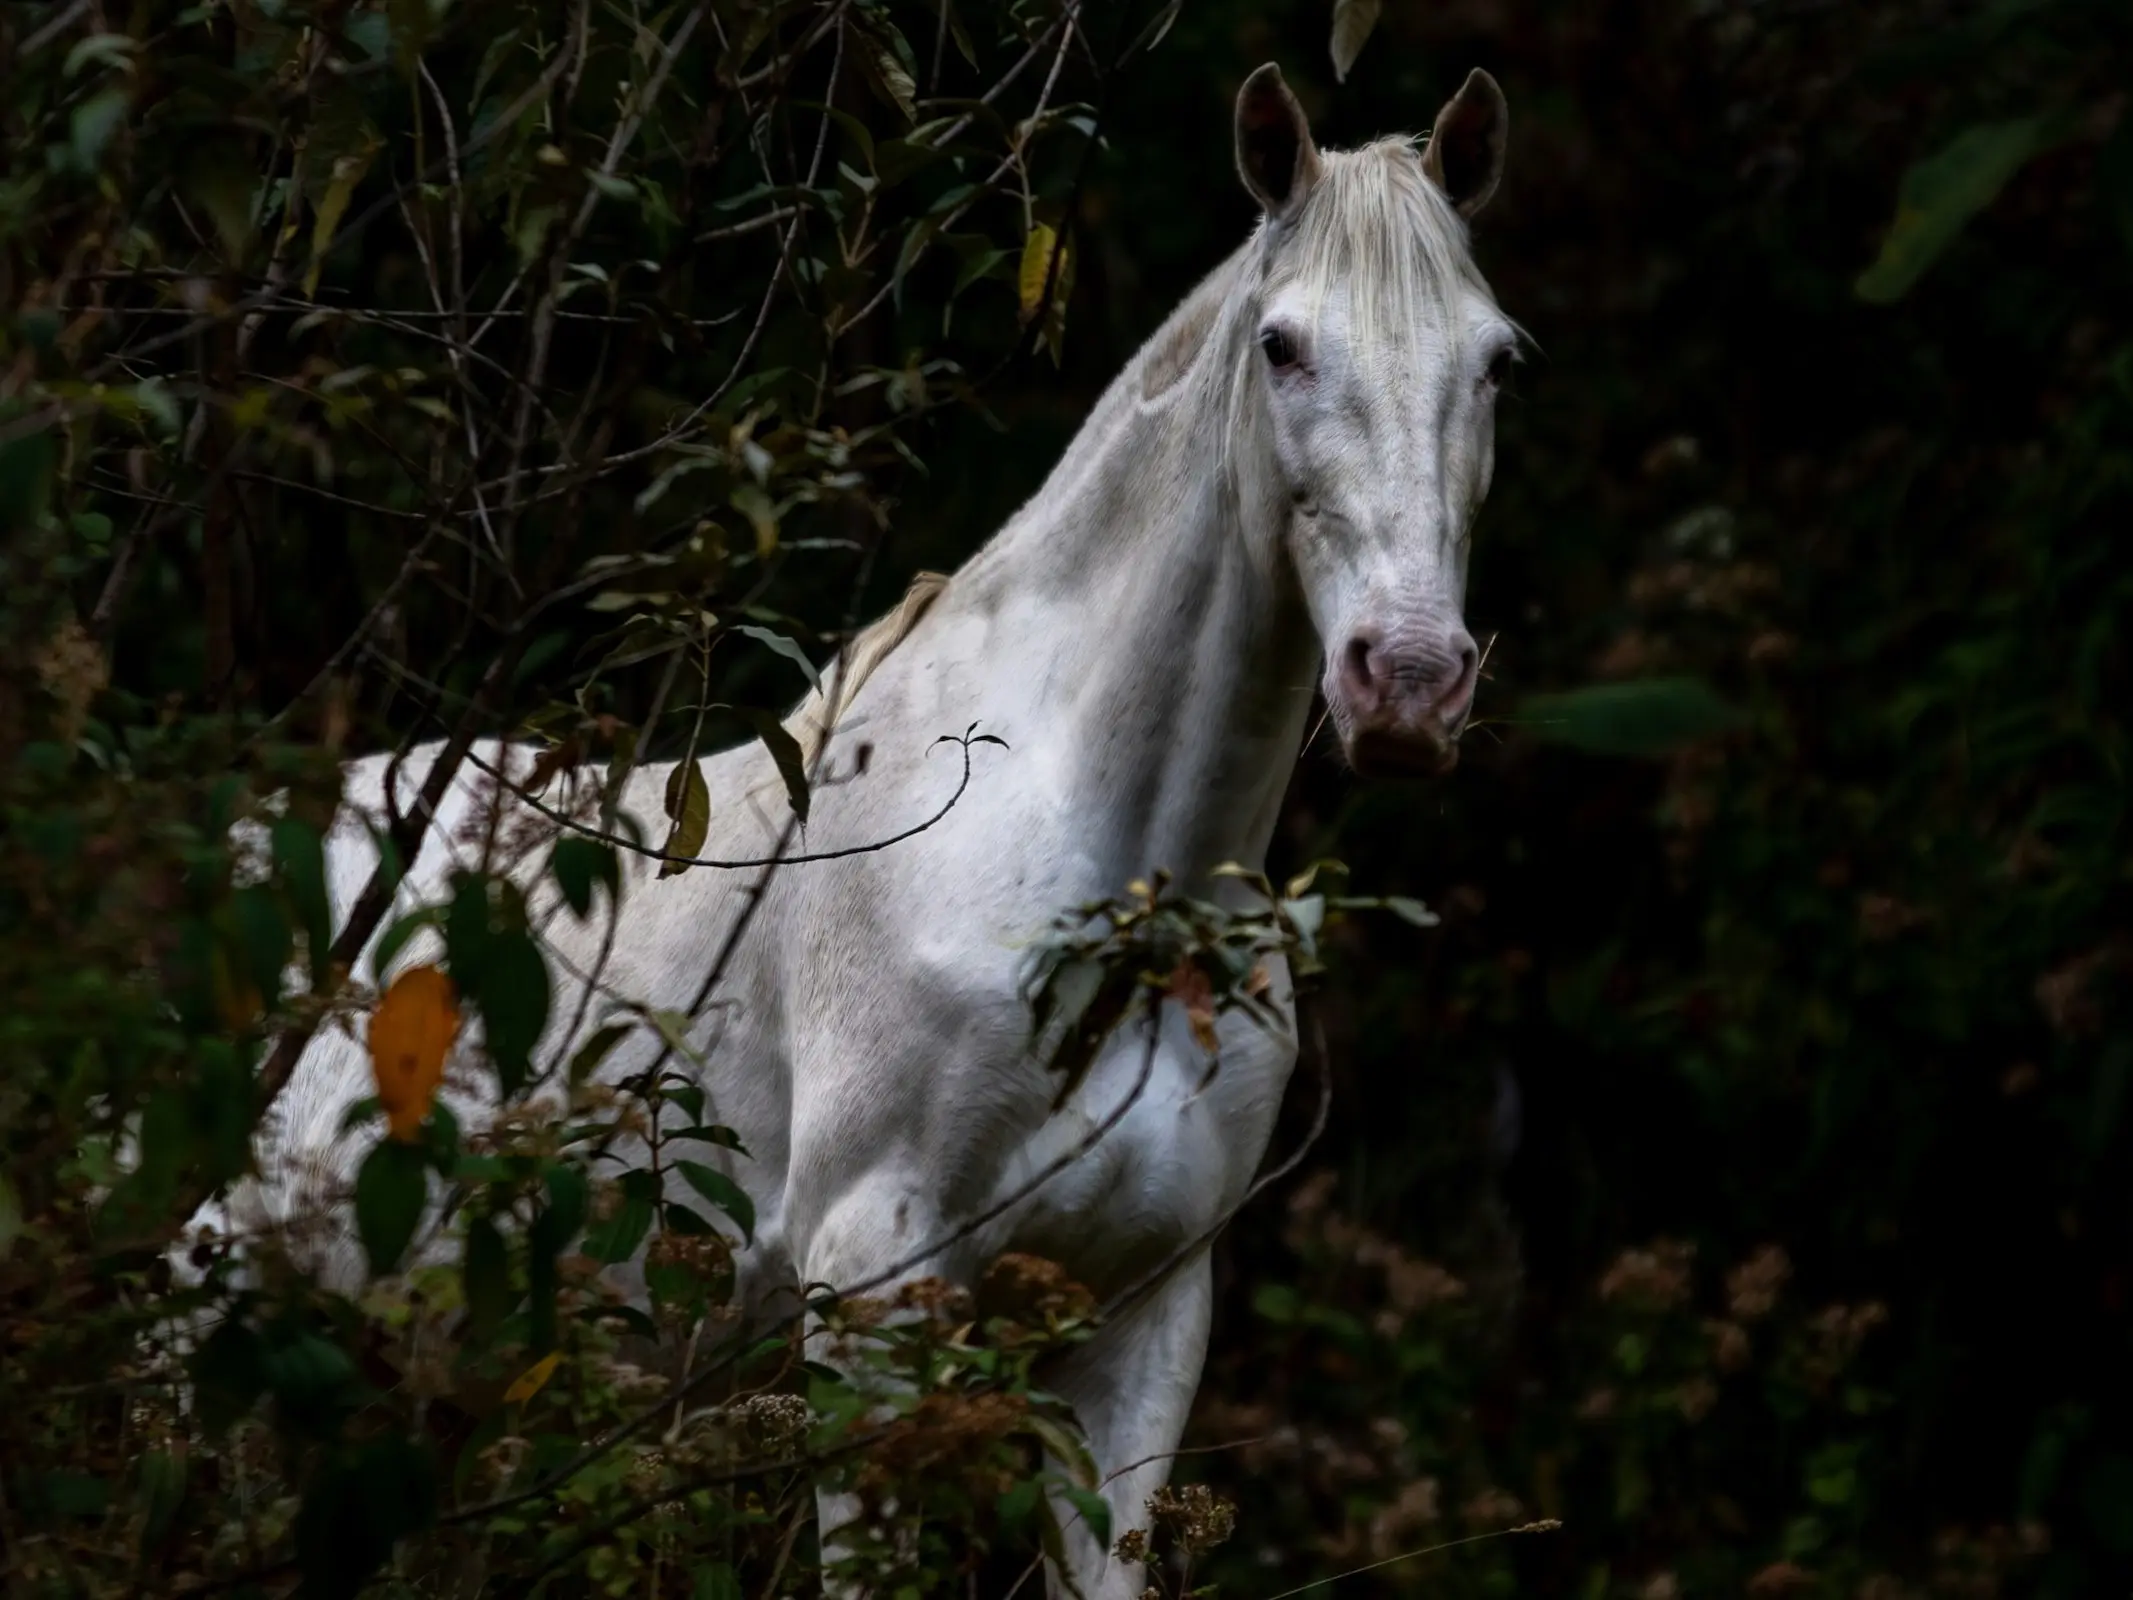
point(1846, 983)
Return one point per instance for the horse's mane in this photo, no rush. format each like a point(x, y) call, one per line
point(811, 723)
point(1376, 222)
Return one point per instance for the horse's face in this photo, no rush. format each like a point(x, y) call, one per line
point(1381, 355)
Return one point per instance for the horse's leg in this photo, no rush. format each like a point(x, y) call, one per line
point(1131, 1388)
point(877, 1224)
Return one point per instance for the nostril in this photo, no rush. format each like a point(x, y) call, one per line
point(1355, 666)
point(1460, 691)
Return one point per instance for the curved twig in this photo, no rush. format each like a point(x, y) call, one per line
point(964, 740)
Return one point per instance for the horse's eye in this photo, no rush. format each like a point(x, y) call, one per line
point(1500, 368)
point(1280, 351)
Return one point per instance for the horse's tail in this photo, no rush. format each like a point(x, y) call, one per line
point(811, 723)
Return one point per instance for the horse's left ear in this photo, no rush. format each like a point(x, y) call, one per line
point(1276, 156)
point(1465, 153)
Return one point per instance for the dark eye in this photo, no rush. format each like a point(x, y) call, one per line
point(1500, 368)
point(1280, 349)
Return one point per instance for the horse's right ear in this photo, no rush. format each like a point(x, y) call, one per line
point(1275, 155)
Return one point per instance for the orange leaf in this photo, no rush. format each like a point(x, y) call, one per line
point(411, 1032)
point(1190, 988)
point(530, 1382)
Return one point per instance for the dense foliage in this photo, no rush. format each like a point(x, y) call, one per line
point(1731, 1174)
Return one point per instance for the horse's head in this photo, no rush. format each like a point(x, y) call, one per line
point(1380, 354)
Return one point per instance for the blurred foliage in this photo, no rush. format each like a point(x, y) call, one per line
point(1732, 1173)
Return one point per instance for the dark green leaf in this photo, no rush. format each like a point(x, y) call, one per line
point(1941, 193)
point(228, 1373)
point(395, 939)
point(578, 863)
point(1648, 717)
point(25, 479)
point(722, 1192)
point(618, 1237)
point(785, 647)
point(161, 1476)
point(300, 857)
point(712, 1133)
point(586, 1059)
point(514, 1005)
point(1095, 1511)
point(468, 932)
point(263, 939)
point(76, 1494)
point(356, 1509)
point(785, 751)
point(488, 1280)
point(567, 1199)
point(391, 1189)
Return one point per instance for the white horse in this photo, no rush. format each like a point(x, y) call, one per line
point(1276, 493)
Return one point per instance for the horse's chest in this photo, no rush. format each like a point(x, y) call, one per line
point(1154, 1153)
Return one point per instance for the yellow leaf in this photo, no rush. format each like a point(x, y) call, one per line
point(348, 171)
point(530, 1382)
point(1037, 266)
point(689, 805)
point(411, 1032)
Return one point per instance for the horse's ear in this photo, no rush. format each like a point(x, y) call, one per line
point(1275, 155)
point(1465, 153)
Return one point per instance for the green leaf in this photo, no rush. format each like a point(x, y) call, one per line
point(566, 1202)
point(161, 1478)
point(1647, 717)
point(762, 514)
point(391, 1189)
point(487, 1275)
point(1016, 1505)
point(514, 1005)
point(310, 1377)
point(578, 863)
point(618, 1237)
point(263, 940)
point(588, 1056)
point(689, 807)
point(395, 938)
point(785, 647)
point(76, 1494)
point(228, 1373)
point(104, 49)
point(785, 751)
point(2114, 180)
point(1413, 911)
point(1306, 915)
point(722, 1192)
point(95, 120)
point(1943, 192)
point(10, 1215)
point(356, 1509)
point(718, 1581)
point(673, 1027)
point(467, 932)
point(218, 176)
point(300, 857)
point(712, 1133)
point(1352, 22)
point(1094, 1509)
point(25, 479)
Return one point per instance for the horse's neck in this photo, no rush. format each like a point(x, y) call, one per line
point(1169, 656)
